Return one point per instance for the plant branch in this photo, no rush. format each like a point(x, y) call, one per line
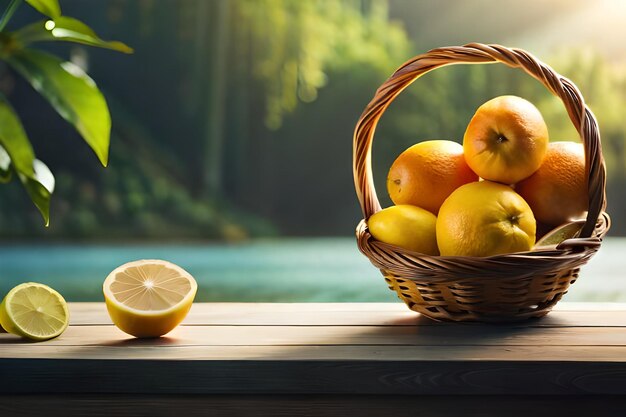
point(8, 13)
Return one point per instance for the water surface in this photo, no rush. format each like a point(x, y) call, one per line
point(287, 270)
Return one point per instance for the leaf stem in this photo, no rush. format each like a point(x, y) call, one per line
point(8, 13)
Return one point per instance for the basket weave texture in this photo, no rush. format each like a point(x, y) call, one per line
point(507, 287)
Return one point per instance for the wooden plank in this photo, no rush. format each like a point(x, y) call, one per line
point(383, 349)
point(451, 335)
point(350, 314)
point(160, 352)
point(309, 405)
point(31, 376)
point(233, 314)
point(589, 306)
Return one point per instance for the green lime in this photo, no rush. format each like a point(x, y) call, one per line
point(34, 311)
point(559, 234)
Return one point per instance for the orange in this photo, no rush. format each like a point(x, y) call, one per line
point(557, 192)
point(484, 218)
point(506, 140)
point(425, 174)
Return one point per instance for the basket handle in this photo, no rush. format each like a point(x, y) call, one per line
point(475, 53)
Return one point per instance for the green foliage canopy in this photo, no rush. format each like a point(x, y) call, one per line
point(295, 43)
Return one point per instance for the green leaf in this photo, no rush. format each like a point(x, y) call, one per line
point(50, 8)
point(40, 188)
point(14, 140)
point(44, 176)
point(72, 93)
point(15, 149)
point(67, 29)
point(39, 195)
point(5, 166)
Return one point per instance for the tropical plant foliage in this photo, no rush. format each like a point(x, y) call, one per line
point(68, 89)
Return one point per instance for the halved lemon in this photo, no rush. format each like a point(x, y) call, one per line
point(34, 311)
point(148, 298)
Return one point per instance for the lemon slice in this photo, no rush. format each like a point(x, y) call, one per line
point(554, 237)
point(34, 311)
point(148, 298)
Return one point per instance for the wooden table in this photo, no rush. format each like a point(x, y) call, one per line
point(323, 359)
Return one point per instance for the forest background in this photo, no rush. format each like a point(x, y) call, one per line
point(234, 119)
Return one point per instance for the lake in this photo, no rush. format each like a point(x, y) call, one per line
point(287, 270)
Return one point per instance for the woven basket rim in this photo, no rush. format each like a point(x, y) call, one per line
point(568, 246)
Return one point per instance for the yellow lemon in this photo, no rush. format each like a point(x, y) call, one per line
point(483, 219)
point(406, 226)
point(148, 298)
point(34, 311)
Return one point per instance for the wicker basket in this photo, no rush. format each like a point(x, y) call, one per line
point(508, 287)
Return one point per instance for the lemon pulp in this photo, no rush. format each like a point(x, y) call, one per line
point(148, 298)
point(34, 311)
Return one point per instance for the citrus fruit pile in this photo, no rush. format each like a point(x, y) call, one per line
point(490, 195)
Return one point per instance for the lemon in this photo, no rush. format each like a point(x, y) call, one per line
point(406, 226)
point(483, 219)
point(148, 298)
point(34, 311)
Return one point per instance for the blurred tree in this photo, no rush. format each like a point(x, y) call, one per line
point(242, 107)
point(284, 52)
point(284, 49)
point(230, 72)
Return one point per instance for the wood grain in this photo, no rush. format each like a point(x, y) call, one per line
point(311, 377)
point(309, 405)
point(161, 351)
point(347, 349)
point(450, 335)
point(351, 314)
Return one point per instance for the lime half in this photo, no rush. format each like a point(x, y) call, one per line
point(34, 311)
point(555, 236)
